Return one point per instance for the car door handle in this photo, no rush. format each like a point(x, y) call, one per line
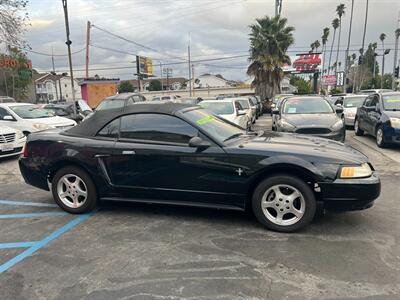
point(102, 155)
point(128, 152)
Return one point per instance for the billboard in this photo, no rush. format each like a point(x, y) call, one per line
point(144, 66)
point(304, 63)
point(328, 80)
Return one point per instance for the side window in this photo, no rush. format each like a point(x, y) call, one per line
point(110, 130)
point(368, 101)
point(3, 113)
point(136, 99)
point(130, 101)
point(156, 127)
point(238, 106)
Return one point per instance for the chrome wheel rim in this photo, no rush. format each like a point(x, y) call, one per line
point(283, 205)
point(379, 136)
point(72, 190)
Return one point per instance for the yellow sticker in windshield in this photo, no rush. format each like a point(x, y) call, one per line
point(205, 120)
point(392, 100)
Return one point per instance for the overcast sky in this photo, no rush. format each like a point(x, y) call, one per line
point(217, 28)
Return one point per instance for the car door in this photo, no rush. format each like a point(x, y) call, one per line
point(152, 160)
point(362, 114)
point(242, 119)
point(374, 114)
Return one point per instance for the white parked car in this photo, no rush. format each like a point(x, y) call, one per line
point(164, 98)
point(11, 141)
point(229, 109)
point(246, 105)
point(350, 103)
point(28, 118)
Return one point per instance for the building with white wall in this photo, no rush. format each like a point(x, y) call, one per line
point(51, 87)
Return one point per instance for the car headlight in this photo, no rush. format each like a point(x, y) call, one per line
point(395, 122)
point(41, 126)
point(356, 171)
point(286, 126)
point(20, 134)
point(338, 125)
point(349, 115)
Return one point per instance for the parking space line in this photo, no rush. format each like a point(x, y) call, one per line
point(40, 244)
point(27, 203)
point(33, 215)
point(17, 245)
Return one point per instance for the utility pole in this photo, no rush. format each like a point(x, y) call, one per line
point(190, 70)
point(278, 7)
point(396, 48)
point(161, 75)
point(346, 59)
point(54, 72)
point(363, 41)
point(68, 42)
point(87, 48)
point(385, 52)
point(193, 76)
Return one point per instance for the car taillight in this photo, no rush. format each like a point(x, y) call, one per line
point(25, 151)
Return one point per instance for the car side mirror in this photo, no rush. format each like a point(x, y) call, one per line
point(241, 112)
point(8, 118)
point(339, 109)
point(198, 142)
point(275, 111)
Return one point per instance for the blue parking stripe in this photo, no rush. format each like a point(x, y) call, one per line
point(17, 245)
point(40, 244)
point(26, 203)
point(33, 215)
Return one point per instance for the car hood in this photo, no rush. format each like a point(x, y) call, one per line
point(392, 114)
point(311, 148)
point(54, 121)
point(307, 120)
point(230, 118)
point(6, 130)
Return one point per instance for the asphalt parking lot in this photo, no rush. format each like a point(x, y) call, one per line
point(132, 251)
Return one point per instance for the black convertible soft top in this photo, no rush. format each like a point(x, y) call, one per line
point(102, 117)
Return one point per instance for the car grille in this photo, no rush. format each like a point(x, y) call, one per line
point(313, 130)
point(7, 138)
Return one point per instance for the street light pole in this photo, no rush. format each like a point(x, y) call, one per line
point(68, 42)
point(396, 48)
point(385, 52)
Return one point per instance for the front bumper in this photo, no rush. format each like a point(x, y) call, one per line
point(350, 194)
point(392, 135)
point(18, 146)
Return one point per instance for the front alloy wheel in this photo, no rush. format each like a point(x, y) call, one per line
point(284, 203)
point(380, 137)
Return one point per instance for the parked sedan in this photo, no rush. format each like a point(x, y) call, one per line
point(379, 116)
point(311, 115)
point(120, 100)
point(254, 107)
point(11, 141)
point(28, 118)
point(245, 104)
point(66, 110)
point(229, 109)
point(350, 103)
point(179, 154)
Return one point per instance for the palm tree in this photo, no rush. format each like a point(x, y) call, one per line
point(317, 44)
point(340, 12)
point(335, 25)
point(363, 40)
point(324, 39)
point(312, 46)
point(382, 38)
point(347, 57)
point(269, 40)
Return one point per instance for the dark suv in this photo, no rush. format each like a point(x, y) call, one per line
point(120, 100)
point(379, 116)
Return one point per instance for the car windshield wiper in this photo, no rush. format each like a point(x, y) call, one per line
point(233, 136)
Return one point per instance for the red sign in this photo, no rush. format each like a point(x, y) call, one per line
point(7, 62)
point(329, 80)
point(307, 63)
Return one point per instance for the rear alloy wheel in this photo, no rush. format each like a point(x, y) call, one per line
point(380, 137)
point(284, 203)
point(73, 190)
point(357, 129)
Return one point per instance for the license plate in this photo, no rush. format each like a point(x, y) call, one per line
point(7, 147)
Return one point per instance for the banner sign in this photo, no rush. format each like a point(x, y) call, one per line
point(340, 78)
point(329, 80)
point(304, 63)
point(144, 65)
point(11, 63)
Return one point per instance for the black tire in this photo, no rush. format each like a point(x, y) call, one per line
point(303, 189)
point(380, 142)
point(357, 130)
point(91, 199)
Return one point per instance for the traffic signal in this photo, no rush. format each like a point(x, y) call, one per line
point(396, 72)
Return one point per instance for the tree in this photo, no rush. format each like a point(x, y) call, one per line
point(17, 77)
point(303, 86)
point(340, 9)
point(317, 44)
point(12, 24)
point(335, 25)
point(155, 85)
point(269, 40)
point(324, 39)
point(125, 87)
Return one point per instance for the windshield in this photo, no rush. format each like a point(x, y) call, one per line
point(244, 104)
point(219, 108)
point(31, 112)
point(306, 106)
point(110, 104)
point(353, 102)
point(216, 127)
point(391, 102)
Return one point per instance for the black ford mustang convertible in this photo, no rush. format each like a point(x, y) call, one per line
point(183, 155)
